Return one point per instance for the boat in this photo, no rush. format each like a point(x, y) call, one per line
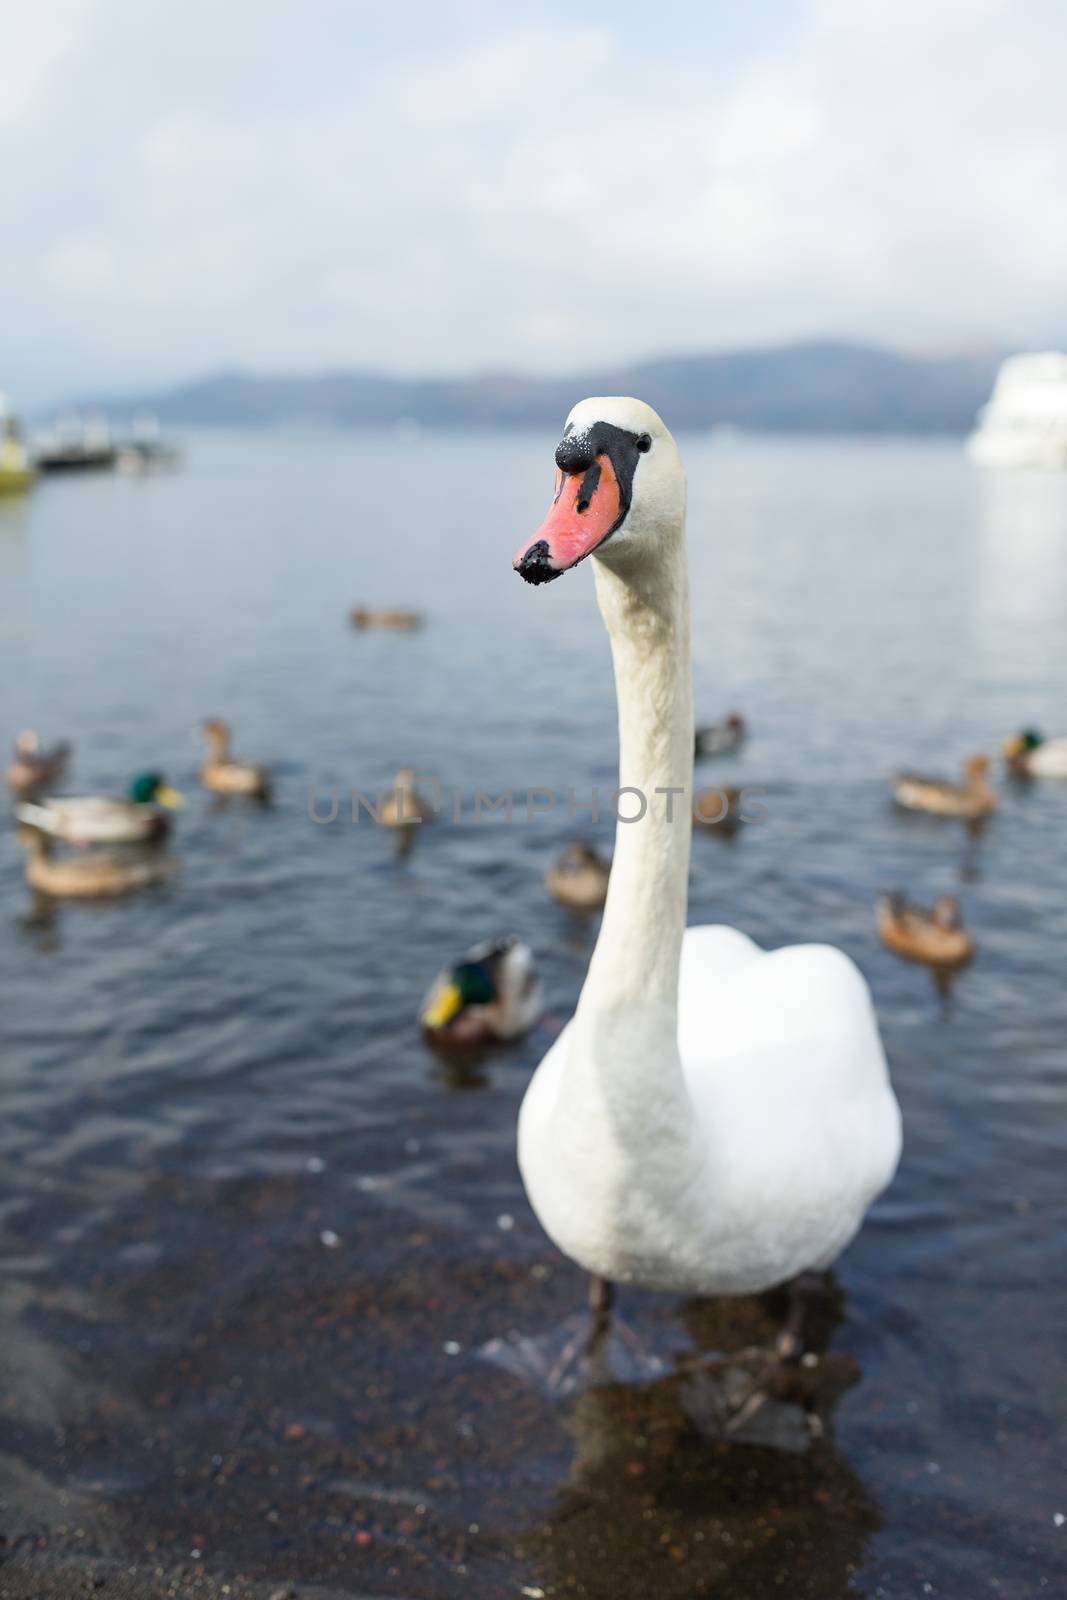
point(146, 449)
point(1024, 424)
point(76, 444)
point(16, 472)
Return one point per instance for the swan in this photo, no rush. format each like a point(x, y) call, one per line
point(715, 1118)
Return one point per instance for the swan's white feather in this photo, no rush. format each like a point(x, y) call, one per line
point(792, 1102)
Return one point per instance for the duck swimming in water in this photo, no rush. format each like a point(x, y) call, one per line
point(394, 618)
point(972, 799)
point(936, 936)
point(721, 807)
point(491, 993)
point(222, 774)
point(403, 806)
point(722, 738)
point(579, 878)
point(103, 819)
point(1029, 755)
point(96, 874)
point(31, 767)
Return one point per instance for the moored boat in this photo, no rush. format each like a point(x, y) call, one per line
point(76, 444)
point(16, 472)
point(1025, 422)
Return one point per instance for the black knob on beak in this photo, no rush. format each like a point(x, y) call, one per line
point(575, 455)
point(535, 565)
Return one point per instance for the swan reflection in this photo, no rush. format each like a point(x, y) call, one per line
point(716, 1480)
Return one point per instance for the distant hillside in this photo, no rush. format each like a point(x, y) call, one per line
point(821, 386)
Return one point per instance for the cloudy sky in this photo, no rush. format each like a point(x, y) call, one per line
point(292, 184)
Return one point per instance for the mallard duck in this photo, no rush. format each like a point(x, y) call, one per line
point(720, 738)
point(96, 874)
point(491, 993)
point(398, 620)
point(718, 807)
point(975, 797)
point(716, 1118)
point(403, 806)
point(1029, 755)
point(102, 819)
point(935, 936)
point(579, 878)
point(32, 767)
point(222, 774)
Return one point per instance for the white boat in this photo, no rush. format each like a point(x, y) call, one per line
point(1024, 423)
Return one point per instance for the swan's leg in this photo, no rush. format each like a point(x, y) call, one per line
point(808, 1293)
point(601, 1300)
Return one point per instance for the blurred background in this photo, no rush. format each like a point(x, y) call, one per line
point(294, 300)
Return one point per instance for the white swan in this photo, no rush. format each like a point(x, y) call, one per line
point(714, 1119)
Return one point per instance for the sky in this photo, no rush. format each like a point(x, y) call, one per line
point(293, 185)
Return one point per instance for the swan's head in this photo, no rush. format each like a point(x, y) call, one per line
point(619, 486)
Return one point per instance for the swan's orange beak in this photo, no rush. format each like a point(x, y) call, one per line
point(586, 509)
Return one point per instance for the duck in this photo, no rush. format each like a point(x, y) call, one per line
point(105, 819)
point(1029, 755)
point(395, 618)
point(972, 799)
point(719, 807)
point(222, 774)
point(715, 1118)
point(722, 738)
point(403, 806)
point(579, 878)
point(935, 936)
point(491, 993)
point(31, 767)
point(97, 874)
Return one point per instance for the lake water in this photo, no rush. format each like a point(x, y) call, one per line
point(200, 1083)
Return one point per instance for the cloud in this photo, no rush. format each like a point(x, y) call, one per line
point(289, 184)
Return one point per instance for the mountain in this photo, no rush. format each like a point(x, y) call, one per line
point(821, 386)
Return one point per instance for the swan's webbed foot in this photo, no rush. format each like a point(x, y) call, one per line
point(580, 1354)
point(810, 1298)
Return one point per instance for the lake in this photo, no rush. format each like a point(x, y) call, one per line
point(255, 1236)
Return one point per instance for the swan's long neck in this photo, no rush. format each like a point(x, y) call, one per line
point(624, 1076)
point(635, 963)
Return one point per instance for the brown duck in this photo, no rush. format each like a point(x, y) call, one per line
point(972, 799)
point(31, 767)
point(936, 936)
point(579, 878)
point(93, 874)
point(222, 774)
point(395, 618)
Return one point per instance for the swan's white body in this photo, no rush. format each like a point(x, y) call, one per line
point(714, 1119)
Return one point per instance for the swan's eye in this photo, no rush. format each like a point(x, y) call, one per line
point(644, 443)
